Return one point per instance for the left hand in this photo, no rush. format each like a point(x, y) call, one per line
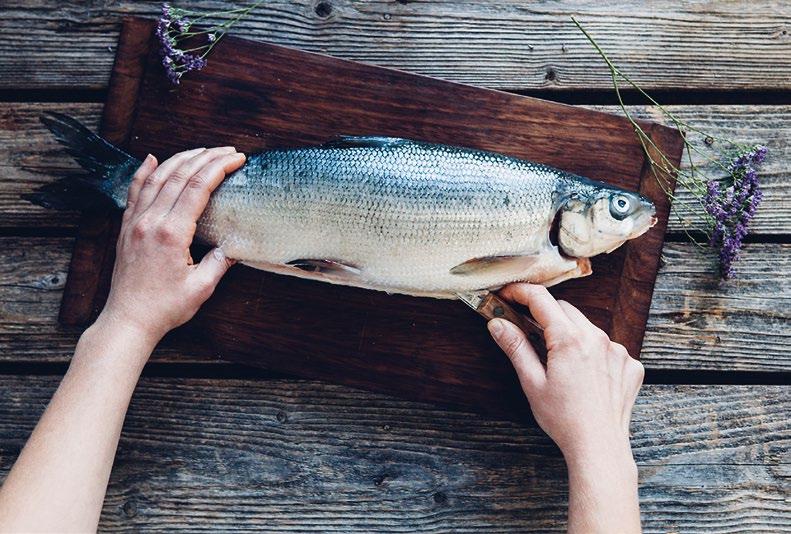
point(156, 287)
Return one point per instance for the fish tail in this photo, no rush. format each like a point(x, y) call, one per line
point(110, 169)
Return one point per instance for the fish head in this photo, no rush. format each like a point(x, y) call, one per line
point(600, 218)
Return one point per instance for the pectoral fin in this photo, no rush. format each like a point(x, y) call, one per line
point(329, 267)
point(490, 264)
point(547, 269)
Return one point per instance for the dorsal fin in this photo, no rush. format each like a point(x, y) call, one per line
point(369, 141)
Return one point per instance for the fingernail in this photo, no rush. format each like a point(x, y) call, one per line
point(495, 327)
point(219, 255)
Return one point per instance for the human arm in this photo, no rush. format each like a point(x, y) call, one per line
point(583, 400)
point(60, 478)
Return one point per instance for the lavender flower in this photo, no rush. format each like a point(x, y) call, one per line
point(731, 204)
point(174, 27)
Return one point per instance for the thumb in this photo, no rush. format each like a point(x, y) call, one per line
point(523, 356)
point(211, 269)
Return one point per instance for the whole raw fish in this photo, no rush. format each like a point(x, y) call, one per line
point(392, 214)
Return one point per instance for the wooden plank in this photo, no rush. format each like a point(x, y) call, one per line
point(29, 156)
point(386, 343)
point(93, 255)
point(695, 323)
point(32, 279)
point(748, 125)
point(304, 456)
point(699, 322)
point(504, 44)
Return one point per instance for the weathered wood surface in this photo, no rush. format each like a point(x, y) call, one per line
point(304, 456)
point(380, 342)
point(699, 322)
point(748, 125)
point(695, 323)
point(513, 45)
point(29, 156)
point(32, 277)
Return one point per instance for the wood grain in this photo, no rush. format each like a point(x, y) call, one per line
point(696, 323)
point(699, 322)
point(506, 44)
point(386, 343)
point(747, 125)
point(32, 279)
point(93, 254)
point(304, 456)
point(29, 157)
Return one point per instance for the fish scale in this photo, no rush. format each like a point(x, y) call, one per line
point(391, 214)
point(404, 215)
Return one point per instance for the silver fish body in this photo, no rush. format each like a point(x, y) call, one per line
point(388, 214)
point(395, 215)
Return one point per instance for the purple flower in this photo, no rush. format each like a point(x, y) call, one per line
point(171, 24)
point(732, 203)
point(760, 155)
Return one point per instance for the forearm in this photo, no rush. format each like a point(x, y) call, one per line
point(60, 478)
point(603, 491)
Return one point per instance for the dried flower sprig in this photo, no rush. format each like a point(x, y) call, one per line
point(726, 203)
point(175, 25)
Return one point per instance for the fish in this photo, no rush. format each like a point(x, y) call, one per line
point(386, 213)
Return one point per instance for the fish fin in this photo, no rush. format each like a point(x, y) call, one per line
point(583, 268)
point(489, 263)
point(110, 169)
point(369, 141)
point(329, 267)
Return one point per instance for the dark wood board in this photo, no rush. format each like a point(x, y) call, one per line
point(258, 96)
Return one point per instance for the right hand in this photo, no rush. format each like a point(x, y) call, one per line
point(583, 399)
point(156, 286)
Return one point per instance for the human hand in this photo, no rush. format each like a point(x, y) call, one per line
point(583, 399)
point(155, 286)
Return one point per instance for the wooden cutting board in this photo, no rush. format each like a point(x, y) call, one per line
point(258, 96)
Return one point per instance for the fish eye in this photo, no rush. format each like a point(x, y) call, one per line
point(619, 206)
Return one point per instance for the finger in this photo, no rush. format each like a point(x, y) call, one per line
point(153, 183)
point(178, 179)
point(542, 305)
point(523, 356)
point(148, 166)
point(210, 270)
point(576, 316)
point(193, 199)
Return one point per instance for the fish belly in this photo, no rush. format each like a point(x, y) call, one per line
point(396, 219)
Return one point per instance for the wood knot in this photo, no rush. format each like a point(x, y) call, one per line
point(551, 75)
point(53, 281)
point(281, 416)
point(440, 498)
point(323, 9)
point(130, 509)
point(381, 479)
